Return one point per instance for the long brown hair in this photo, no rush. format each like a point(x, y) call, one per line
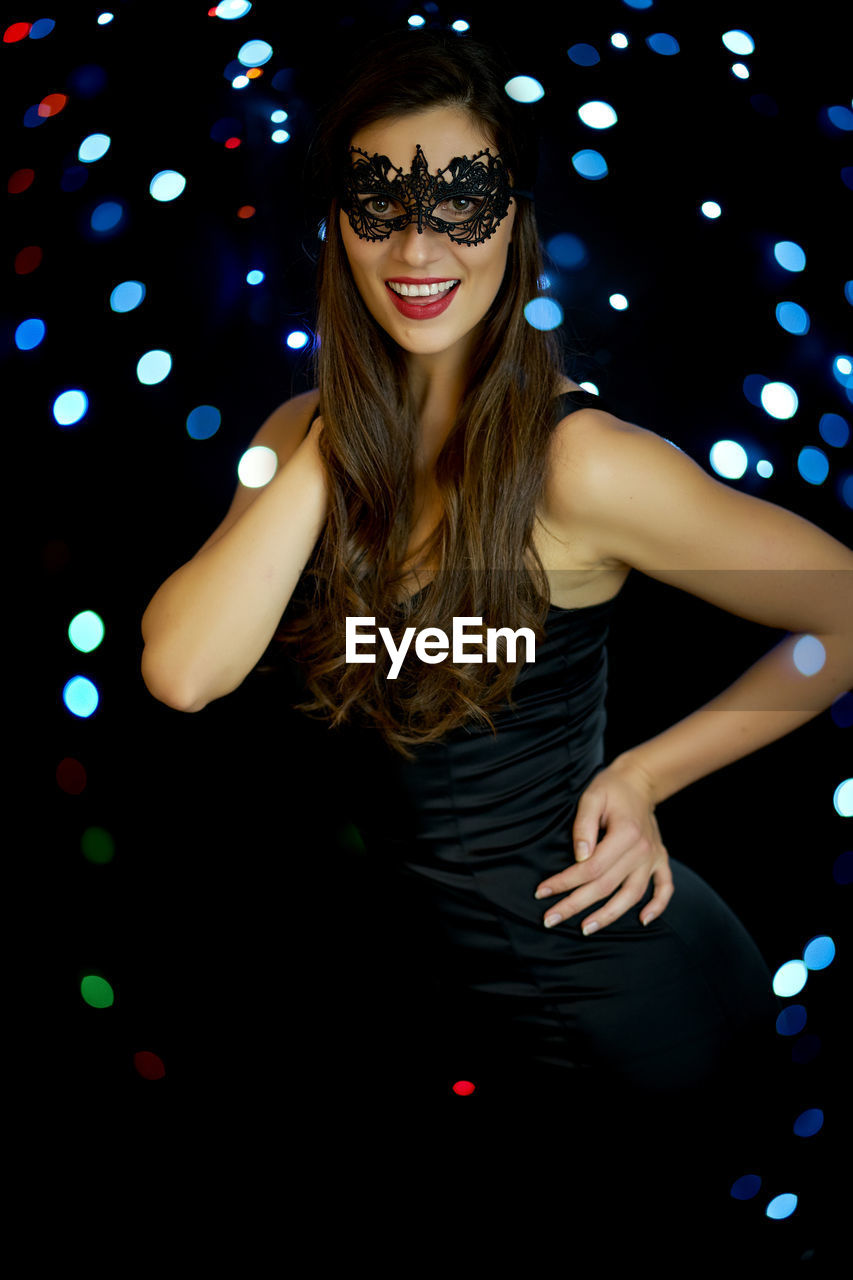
point(490, 472)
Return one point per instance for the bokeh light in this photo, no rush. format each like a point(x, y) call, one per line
point(70, 407)
point(524, 89)
point(203, 422)
point(790, 978)
point(257, 466)
point(590, 164)
point(80, 696)
point(543, 313)
point(842, 798)
point(93, 148)
point(167, 185)
point(106, 216)
point(86, 631)
point(97, 845)
point(127, 296)
point(97, 992)
point(149, 1065)
point(30, 334)
point(153, 367)
point(254, 53)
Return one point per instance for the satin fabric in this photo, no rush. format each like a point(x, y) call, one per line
point(467, 831)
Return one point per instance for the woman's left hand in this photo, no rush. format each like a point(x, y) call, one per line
point(620, 799)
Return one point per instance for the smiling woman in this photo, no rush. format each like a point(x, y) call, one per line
point(444, 442)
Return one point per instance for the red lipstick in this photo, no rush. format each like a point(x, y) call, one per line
point(421, 308)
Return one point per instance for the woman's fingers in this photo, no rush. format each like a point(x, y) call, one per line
point(664, 889)
point(633, 888)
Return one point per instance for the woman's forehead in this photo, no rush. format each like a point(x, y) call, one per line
point(443, 135)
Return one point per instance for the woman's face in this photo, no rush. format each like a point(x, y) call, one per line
point(443, 134)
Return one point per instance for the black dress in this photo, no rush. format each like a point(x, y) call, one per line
point(629, 1073)
point(665, 1013)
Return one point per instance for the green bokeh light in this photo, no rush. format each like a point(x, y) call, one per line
point(97, 845)
point(350, 838)
point(96, 991)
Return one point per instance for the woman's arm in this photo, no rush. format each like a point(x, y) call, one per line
point(646, 503)
point(210, 622)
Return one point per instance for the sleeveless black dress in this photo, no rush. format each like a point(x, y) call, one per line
point(468, 830)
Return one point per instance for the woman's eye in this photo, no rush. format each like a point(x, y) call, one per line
point(381, 200)
point(470, 205)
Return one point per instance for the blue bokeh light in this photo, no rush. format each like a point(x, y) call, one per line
point(167, 185)
point(254, 53)
point(819, 953)
point(792, 317)
point(543, 313)
point(590, 164)
point(782, 1206)
point(791, 1020)
point(583, 55)
point(567, 250)
point(93, 147)
point(664, 44)
point(230, 10)
point(809, 1122)
point(739, 42)
point(598, 115)
point(106, 216)
point(70, 407)
point(834, 430)
point(80, 696)
point(127, 296)
point(30, 333)
point(203, 422)
point(813, 464)
point(524, 89)
point(746, 1188)
point(153, 367)
point(789, 255)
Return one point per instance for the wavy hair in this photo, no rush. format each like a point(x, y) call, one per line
point(491, 470)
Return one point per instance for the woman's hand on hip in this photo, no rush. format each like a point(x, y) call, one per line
point(619, 799)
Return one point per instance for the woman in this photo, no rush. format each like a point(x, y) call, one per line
point(452, 471)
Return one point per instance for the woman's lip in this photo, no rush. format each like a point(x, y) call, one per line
point(424, 280)
point(422, 308)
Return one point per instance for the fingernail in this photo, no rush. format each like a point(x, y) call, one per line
point(589, 928)
point(542, 893)
point(552, 919)
point(583, 850)
point(648, 920)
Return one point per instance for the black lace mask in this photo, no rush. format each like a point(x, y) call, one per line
point(480, 184)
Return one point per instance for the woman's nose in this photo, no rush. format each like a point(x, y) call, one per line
point(419, 242)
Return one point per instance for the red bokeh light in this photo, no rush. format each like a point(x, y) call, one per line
point(17, 31)
point(26, 260)
point(71, 776)
point(52, 104)
point(20, 180)
point(149, 1066)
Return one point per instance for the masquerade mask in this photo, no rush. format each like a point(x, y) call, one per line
point(467, 208)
